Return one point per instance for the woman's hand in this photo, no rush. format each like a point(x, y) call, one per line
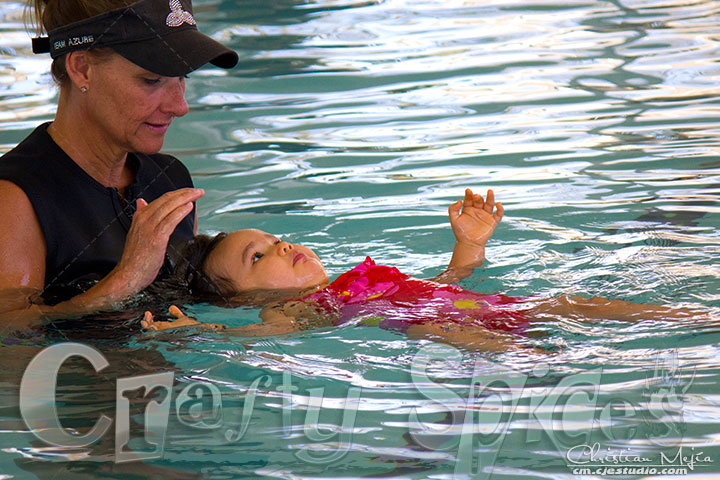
point(181, 320)
point(147, 240)
point(476, 223)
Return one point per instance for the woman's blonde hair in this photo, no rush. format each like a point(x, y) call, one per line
point(48, 15)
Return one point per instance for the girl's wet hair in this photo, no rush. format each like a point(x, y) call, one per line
point(190, 270)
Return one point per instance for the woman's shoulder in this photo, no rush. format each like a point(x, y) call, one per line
point(32, 164)
point(31, 150)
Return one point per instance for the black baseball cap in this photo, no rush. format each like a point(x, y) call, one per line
point(160, 36)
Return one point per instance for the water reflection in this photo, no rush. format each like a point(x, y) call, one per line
point(26, 92)
point(350, 126)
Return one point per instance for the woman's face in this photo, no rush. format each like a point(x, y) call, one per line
point(255, 260)
point(132, 106)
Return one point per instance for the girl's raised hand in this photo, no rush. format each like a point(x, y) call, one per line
point(472, 218)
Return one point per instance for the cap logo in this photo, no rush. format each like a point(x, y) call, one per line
point(178, 16)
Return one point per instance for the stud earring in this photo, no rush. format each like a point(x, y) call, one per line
point(83, 89)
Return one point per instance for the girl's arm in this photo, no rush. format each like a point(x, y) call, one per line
point(473, 227)
point(277, 319)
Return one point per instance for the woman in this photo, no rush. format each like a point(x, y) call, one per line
point(87, 197)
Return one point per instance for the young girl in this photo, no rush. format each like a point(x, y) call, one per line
point(253, 267)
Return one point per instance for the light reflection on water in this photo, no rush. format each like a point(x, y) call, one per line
point(350, 126)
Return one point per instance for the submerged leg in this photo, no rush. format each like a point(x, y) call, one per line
point(470, 337)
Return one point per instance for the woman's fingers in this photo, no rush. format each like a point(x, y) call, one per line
point(175, 217)
point(157, 212)
point(150, 230)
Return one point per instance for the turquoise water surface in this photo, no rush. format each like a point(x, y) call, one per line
point(350, 126)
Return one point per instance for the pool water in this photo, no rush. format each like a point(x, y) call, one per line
point(350, 126)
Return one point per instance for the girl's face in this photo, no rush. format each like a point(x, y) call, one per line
point(255, 260)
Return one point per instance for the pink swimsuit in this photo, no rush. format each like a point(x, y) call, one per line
point(392, 300)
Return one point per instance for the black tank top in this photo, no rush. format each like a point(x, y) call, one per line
point(85, 223)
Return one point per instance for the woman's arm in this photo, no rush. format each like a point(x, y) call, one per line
point(22, 263)
point(473, 227)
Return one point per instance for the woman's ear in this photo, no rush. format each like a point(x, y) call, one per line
point(77, 66)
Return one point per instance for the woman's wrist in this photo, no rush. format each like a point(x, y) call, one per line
point(117, 286)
